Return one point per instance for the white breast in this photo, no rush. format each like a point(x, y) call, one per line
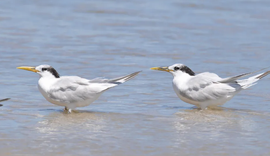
point(177, 91)
point(44, 85)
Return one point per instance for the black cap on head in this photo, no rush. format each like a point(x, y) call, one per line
point(52, 71)
point(187, 70)
point(184, 69)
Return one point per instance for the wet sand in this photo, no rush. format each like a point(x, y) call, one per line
point(143, 116)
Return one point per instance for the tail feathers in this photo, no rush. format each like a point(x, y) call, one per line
point(123, 78)
point(4, 99)
point(234, 78)
point(246, 83)
point(105, 84)
point(263, 75)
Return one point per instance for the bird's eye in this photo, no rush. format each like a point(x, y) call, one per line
point(44, 69)
point(176, 68)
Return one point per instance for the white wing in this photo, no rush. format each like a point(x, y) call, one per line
point(73, 89)
point(206, 86)
point(203, 80)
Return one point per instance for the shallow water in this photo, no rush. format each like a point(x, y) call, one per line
point(143, 116)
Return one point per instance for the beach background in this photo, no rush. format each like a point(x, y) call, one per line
point(112, 38)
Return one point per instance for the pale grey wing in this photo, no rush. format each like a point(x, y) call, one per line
point(105, 84)
point(213, 91)
point(73, 90)
point(204, 87)
point(118, 80)
point(2, 100)
point(234, 78)
point(123, 79)
point(202, 80)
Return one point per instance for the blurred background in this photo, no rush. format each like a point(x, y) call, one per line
point(111, 38)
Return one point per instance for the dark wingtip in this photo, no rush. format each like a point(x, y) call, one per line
point(4, 99)
point(132, 75)
point(137, 72)
point(124, 78)
point(263, 75)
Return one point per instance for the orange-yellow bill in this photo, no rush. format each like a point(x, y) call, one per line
point(161, 69)
point(28, 68)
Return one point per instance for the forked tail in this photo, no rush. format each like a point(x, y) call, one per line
point(246, 83)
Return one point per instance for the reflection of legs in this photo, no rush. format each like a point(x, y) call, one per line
point(67, 110)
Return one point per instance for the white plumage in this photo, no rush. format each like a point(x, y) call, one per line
point(72, 91)
point(207, 89)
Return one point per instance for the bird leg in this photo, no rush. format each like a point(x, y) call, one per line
point(203, 106)
point(67, 110)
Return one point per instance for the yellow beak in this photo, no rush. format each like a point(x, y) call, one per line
point(162, 69)
point(28, 68)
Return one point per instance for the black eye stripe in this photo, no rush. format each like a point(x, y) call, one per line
point(43, 69)
point(176, 68)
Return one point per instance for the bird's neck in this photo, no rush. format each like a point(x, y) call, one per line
point(182, 76)
point(180, 80)
point(45, 83)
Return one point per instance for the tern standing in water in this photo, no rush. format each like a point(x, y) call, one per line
point(207, 89)
point(72, 91)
